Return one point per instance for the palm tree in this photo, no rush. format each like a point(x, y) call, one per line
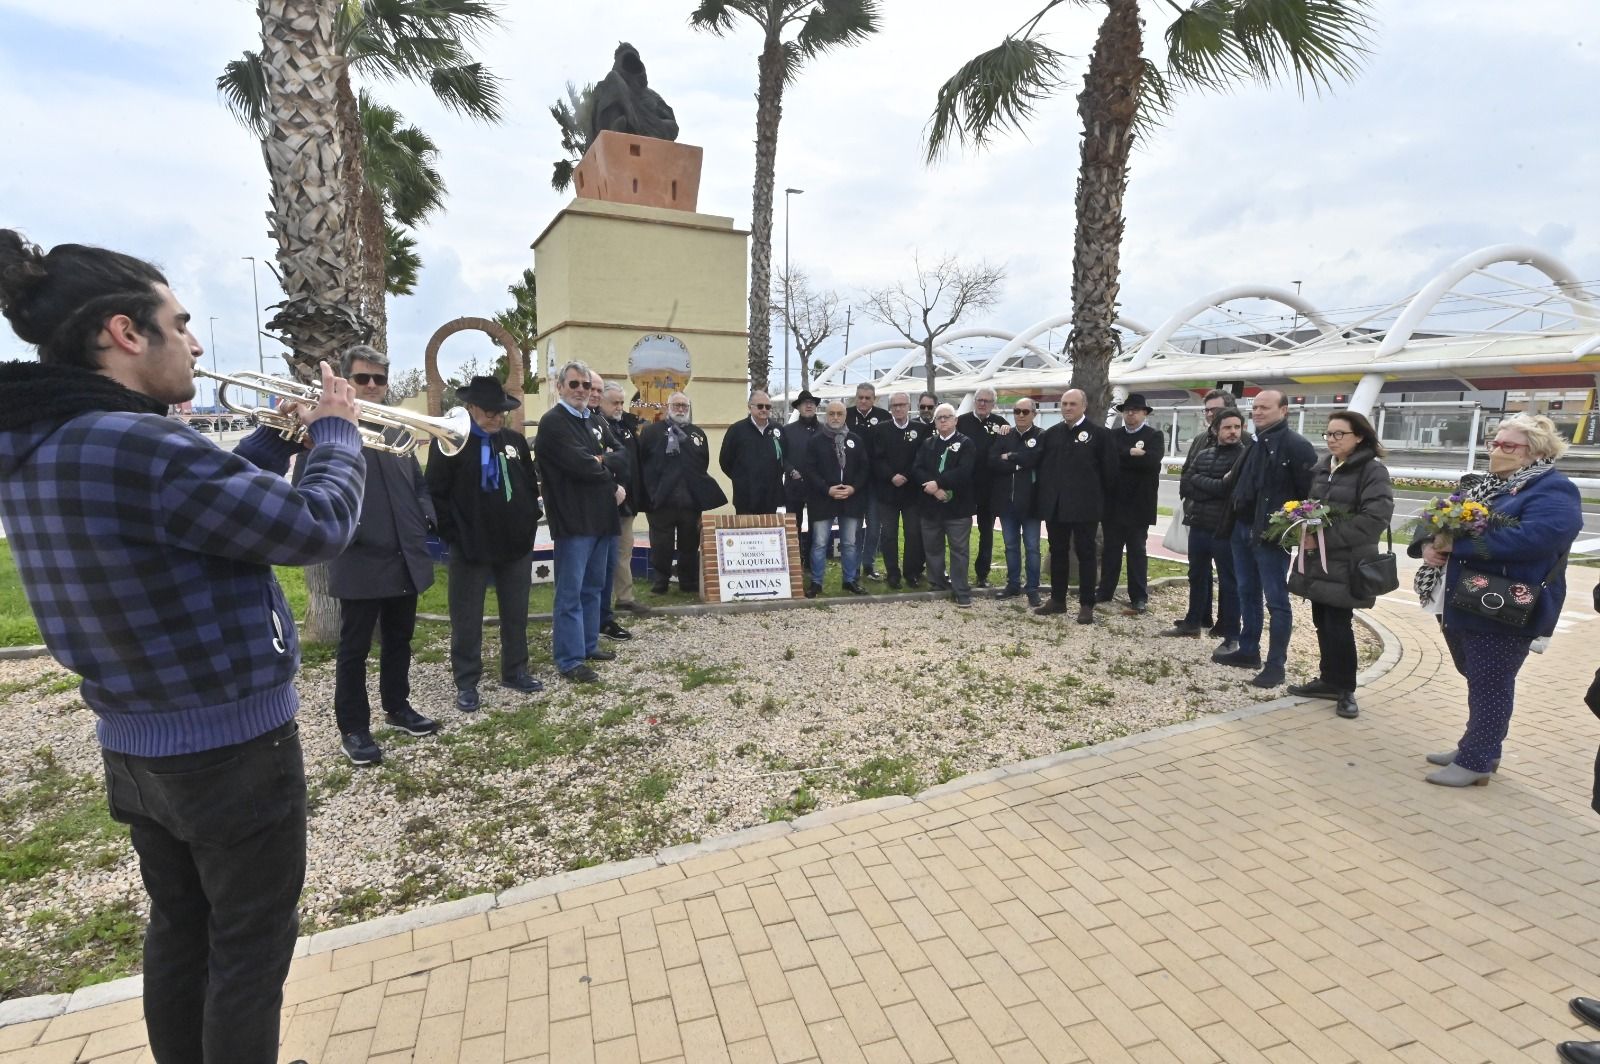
point(818, 25)
point(400, 187)
point(522, 322)
point(572, 116)
point(424, 41)
point(1211, 45)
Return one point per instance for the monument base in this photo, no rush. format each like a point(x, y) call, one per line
point(623, 168)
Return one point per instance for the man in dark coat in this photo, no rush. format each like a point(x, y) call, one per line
point(619, 461)
point(836, 469)
point(582, 495)
point(752, 458)
point(486, 497)
point(676, 459)
point(1131, 504)
point(862, 419)
point(894, 451)
point(1274, 471)
point(378, 578)
point(1208, 489)
point(947, 475)
point(1216, 401)
point(796, 436)
point(1011, 498)
point(625, 426)
point(980, 425)
point(1076, 469)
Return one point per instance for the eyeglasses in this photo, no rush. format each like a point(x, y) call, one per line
point(1336, 436)
point(1509, 448)
point(1023, 413)
point(365, 379)
point(924, 408)
point(762, 406)
point(581, 386)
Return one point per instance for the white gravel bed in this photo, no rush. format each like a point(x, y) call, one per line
point(703, 725)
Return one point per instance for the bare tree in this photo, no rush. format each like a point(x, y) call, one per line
point(812, 315)
point(935, 301)
point(408, 383)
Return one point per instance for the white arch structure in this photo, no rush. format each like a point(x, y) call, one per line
point(1410, 339)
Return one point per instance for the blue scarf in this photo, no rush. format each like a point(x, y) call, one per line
point(491, 465)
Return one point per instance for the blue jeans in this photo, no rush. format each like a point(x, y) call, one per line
point(580, 585)
point(1021, 533)
point(849, 556)
point(1262, 571)
point(1204, 549)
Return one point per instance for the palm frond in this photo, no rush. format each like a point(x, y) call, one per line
point(1215, 43)
point(243, 88)
point(713, 16)
point(401, 263)
point(794, 58)
point(398, 163)
point(1202, 49)
point(468, 89)
point(992, 92)
point(561, 175)
point(838, 24)
point(1155, 101)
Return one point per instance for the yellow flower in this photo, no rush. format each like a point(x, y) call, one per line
point(1291, 506)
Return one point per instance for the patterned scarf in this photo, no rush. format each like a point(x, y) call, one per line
point(1485, 488)
point(840, 436)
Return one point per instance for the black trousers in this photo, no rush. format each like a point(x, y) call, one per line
point(1115, 537)
point(892, 518)
point(675, 533)
point(1066, 536)
point(1337, 641)
point(395, 620)
point(221, 839)
point(982, 560)
point(468, 583)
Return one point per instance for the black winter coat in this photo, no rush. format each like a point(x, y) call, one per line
point(796, 435)
point(389, 555)
point(579, 488)
point(1201, 441)
point(894, 451)
point(678, 481)
point(981, 431)
point(485, 526)
point(820, 466)
point(1013, 474)
point(863, 424)
point(625, 431)
point(1207, 485)
point(1360, 488)
point(1277, 469)
point(1076, 468)
point(1132, 498)
point(752, 459)
point(958, 476)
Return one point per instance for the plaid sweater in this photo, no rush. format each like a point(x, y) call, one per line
point(145, 552)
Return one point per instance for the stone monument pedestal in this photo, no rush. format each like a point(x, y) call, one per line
point(623, 168)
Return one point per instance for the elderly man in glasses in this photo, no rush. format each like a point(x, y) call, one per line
point(752, 458)
point(676, 458)
point(894, 453)
point(1011, 497)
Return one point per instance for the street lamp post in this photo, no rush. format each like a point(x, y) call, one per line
point(1296, 326)
point(215, 387)
point(788, 282)
point(261, 358)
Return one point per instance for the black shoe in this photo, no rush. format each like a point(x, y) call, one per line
point(1181, 629)
point(1216, 632)
point(1136, 609)
point(875, 576)
point(1104, 596)
point(1033, 598)
point(616, 631)
point(633, 607)
point(360, 749)
point(1347, 707)
point(581, 674)
point(467, 699)
point(409, 720)
point(1085, 614)
point(856, 589)
point(981, 582)
point(894, 585)
point(1050, 609)
point(1579, 1052)
point(602, 655)
point(1009, 592)
point(659, 587)
point(1239, 659)
point(523, 682)
point(1271, 676)
point(942, 585)
point(1315, 689)
point(913, 581)
point(811, 589)
point(964, 601)
point(1586, 1009)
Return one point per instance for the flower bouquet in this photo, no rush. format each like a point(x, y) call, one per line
point(1310, 517)
point(1447, 517)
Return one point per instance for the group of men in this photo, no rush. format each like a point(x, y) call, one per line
point(914, 487)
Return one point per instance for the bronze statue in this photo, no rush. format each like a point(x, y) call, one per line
point(624, 101)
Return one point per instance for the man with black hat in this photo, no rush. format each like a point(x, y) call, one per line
point(981, 425)
point(1131, 504)
point(894, 452)
point(487, 499)
point(676, 458)
point(796, 441)
point(1076, 469)
point(752, 458)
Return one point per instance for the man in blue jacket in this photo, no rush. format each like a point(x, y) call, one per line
point(145, 552)
point(1274, 471)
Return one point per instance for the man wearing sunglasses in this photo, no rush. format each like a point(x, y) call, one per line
point(378, 578)
point(752, 458)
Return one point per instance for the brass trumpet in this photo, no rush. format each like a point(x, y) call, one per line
point(451, 431)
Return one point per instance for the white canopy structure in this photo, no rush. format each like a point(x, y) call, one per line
point(1454, 333)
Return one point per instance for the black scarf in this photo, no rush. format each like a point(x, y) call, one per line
point(31, 392)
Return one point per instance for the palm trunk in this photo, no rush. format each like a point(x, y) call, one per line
point(1107, 103)
point(769, 110)
point(311, 216)
point(374, 271)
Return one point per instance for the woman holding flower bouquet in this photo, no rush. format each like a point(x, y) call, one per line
point(1356, 502)
point(1476, 565)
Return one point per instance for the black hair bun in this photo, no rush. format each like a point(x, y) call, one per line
point(22, 271)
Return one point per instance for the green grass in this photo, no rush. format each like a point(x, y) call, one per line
point(76, 832)
point(104, 945)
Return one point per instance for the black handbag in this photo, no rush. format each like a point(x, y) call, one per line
point(1375, 577)
point(1497, 597)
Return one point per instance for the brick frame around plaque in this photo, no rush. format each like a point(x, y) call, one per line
point(711, 581)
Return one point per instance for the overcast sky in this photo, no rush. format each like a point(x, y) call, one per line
point(1473, 123)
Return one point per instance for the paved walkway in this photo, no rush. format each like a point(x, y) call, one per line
point(1276, 886)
